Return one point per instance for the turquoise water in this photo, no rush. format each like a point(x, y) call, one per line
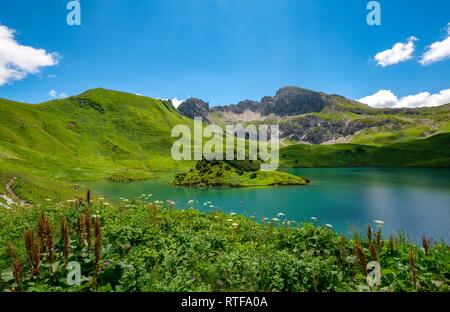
point(416, 201)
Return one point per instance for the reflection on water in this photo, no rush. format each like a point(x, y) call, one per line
point(414, 200)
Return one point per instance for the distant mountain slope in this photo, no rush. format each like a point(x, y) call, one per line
point(431, 152)
point(97, 134)
point(315, 117)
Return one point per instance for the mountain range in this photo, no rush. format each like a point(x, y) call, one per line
point(306, 116)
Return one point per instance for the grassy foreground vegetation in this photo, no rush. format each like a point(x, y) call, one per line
point(139, 246)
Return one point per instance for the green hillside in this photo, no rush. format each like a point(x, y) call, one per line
point(430, 152)
point(95, 135)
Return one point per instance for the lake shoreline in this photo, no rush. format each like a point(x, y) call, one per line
point(342, 197)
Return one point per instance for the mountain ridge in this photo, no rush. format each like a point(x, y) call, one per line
point(307, 116)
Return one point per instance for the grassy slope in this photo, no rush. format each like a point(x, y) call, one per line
point(418, 125)
point(156, 248)
point(97, 134)
point(430, 152)
point(414, 124)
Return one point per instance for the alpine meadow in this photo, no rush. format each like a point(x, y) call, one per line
point(224, 154)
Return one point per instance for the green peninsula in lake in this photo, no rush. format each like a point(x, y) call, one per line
point(236, 173)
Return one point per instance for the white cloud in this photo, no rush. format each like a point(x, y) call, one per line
point(176, 102)
point(17, 61)
point(437, 51)
point(400, 52)
point(57, 95)
point(383, 98)
point(386, 98)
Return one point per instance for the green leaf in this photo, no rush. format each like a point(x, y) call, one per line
point(7, 276)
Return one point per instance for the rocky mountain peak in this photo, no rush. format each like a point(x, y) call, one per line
point(194, 107)
point(289, 101)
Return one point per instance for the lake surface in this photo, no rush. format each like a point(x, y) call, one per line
point(416, 201)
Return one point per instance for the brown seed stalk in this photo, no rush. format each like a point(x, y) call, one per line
point(29, 238)
point(373, 253)
point(359, 253)
point(49, 241)
point(80, 224)
point(369, 233)
point(36, 257)
point(379, 240)
point(17, 266)
point(65, 239)
point(88, 197)
point(18, 272)
point(426, 245)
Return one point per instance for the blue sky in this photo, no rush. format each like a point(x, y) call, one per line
point(224, 51)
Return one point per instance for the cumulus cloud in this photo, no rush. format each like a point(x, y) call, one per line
point(400, 52)
point(17, 61)
point(386, 98)
point(57, 95)
point(383, 98)
point(176, 102)
point(437, 51)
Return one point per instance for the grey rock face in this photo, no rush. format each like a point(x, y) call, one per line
point(314, 130)
point(194, 107)
point(238, 108)
point(290, 101)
